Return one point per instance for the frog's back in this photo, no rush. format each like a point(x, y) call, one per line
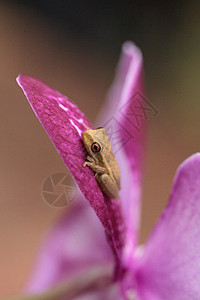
point(115, 170)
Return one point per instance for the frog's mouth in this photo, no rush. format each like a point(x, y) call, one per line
point(87, 140)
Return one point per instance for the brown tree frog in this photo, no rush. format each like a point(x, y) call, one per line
point(102, 161)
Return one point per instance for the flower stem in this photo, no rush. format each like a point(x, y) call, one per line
point(92, 280)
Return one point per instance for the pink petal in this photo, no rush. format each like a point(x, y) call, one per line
point(128, 81)
point(170, 266)
point(64, 124)
point(75, 243)
point(127, 135)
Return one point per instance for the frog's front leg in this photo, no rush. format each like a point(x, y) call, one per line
point(89, 158)
point(108, 186)
point(92, 164)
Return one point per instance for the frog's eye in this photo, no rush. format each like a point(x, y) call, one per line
point(95, 147)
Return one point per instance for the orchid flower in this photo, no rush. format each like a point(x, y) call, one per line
point(93, 251)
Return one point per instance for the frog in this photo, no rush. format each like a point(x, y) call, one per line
point(102, 161)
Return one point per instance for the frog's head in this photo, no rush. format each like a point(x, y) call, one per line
point(97, 142)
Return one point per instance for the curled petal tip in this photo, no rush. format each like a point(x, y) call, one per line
point(194, 158)
point(129, 47)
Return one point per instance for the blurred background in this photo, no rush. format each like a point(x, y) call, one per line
point(74, 47)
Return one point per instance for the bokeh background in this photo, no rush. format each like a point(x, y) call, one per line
point(74, 46)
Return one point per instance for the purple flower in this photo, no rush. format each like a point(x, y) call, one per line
point(168, 265)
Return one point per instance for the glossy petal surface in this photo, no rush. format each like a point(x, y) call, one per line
point(64, 124)
point(170, 266)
